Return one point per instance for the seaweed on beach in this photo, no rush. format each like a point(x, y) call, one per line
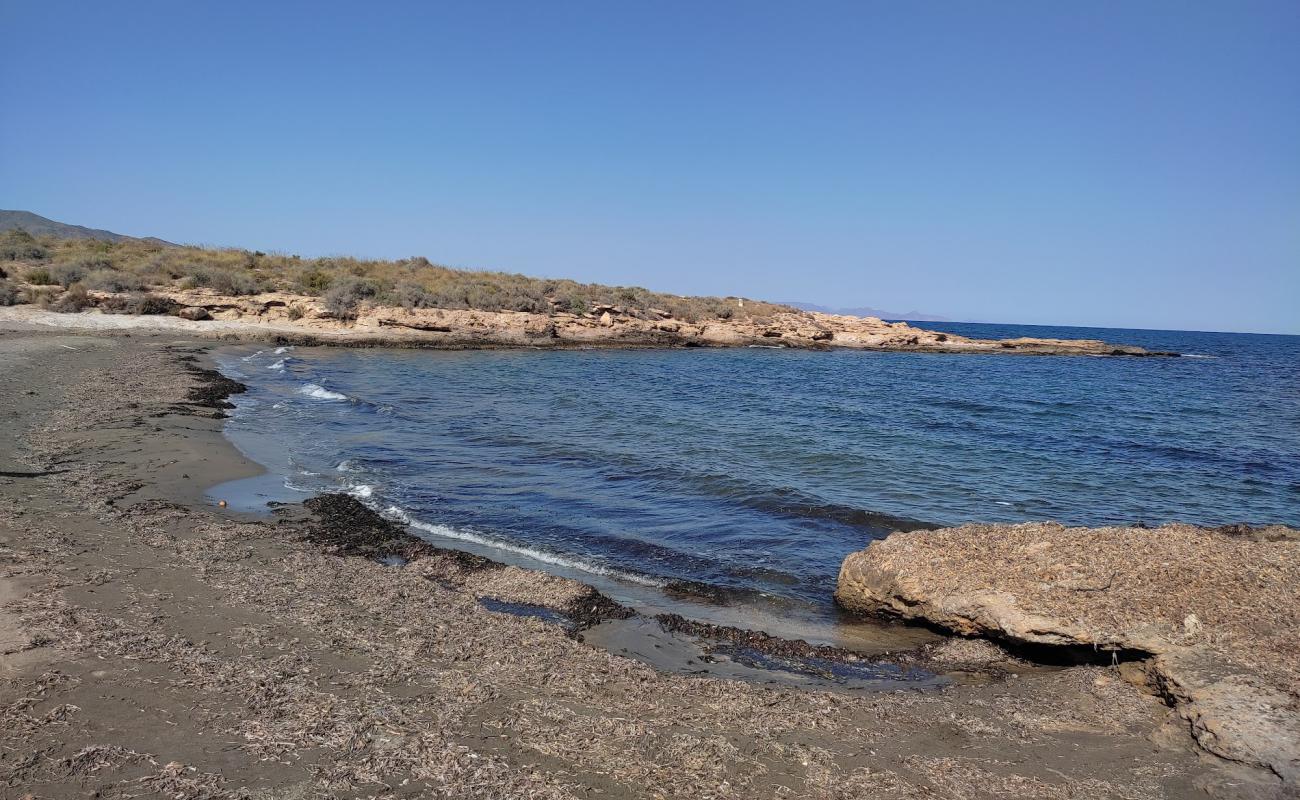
point(348, 527)
point(212, 389)
point(757, 641)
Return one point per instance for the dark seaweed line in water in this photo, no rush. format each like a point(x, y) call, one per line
point(343, 525)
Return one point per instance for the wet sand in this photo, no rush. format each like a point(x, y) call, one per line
point(154, 645)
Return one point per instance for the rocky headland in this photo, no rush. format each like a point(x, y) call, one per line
point(1204, 618)
point(288, 318)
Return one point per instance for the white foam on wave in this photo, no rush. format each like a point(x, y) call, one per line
point(278, 365)
point(282, 350)
point(253, 356)
point(1196, 355)
point(448, 532)
point(361, 491)
point(320, 392)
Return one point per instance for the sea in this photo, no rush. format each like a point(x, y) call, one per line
point(740, 478)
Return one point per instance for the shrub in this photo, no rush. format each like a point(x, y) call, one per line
point(409, 296)
point(73, 300)
point(343, 300)
point(314, 282)
point(67, 274)
point(296, 312)
point(573, 304)
point(39, 277)
point(139, 303)
point(107, 280)
point(41, 295)
point(19, 245)
point(224, 281)
point(9, 295)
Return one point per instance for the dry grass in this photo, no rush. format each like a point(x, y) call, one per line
point(344, 282)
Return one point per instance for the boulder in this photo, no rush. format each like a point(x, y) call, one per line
point(1207, 618)
point(194, 313)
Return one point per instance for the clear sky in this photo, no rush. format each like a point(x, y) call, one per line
point(1110, 163)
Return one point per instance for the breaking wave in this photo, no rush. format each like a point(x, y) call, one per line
point(320, 392)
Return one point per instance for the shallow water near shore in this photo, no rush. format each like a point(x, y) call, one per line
point(735, 481)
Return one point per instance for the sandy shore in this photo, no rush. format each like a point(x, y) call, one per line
point(153, 645)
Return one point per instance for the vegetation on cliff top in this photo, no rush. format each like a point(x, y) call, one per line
point(344, 283)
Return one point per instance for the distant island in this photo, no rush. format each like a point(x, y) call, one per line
point(50, 269)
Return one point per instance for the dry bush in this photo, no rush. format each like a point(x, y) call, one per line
point(9, 294)
point(41, 296)
point(19, 245)
point(138, 303)
point(224, 281)
point(73, 300)
point(108, 280)
point(344, 299)
point(39, 277)
point(409, 283)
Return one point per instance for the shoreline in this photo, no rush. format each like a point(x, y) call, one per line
point(244, 659)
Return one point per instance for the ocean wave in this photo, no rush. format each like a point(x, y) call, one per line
point(289, 484)
point(320, 392)
point(283, 350)
point(544, 556)
point(278, 365)
point(1196, 355)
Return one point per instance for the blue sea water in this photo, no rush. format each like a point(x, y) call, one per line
point(757, 470)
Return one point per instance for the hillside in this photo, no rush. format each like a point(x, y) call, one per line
point(416, 303)
point(37, 225)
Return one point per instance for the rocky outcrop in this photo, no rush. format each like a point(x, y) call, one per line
point(306, 320)
point(1209, 618)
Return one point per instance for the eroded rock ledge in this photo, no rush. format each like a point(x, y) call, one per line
point(298, 319)
point(1217, 612)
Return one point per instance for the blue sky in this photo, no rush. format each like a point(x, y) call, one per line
point(1105, 163)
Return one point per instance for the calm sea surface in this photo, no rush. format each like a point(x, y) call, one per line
point(756, 470)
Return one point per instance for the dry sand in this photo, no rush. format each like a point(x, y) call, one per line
point(156, 646)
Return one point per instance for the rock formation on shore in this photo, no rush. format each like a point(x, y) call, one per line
point(302, 319)
point(1206, 618)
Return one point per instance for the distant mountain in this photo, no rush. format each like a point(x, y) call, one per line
point(915, 316)
point(37, 225)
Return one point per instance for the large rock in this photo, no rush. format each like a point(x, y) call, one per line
point(1212, 616)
